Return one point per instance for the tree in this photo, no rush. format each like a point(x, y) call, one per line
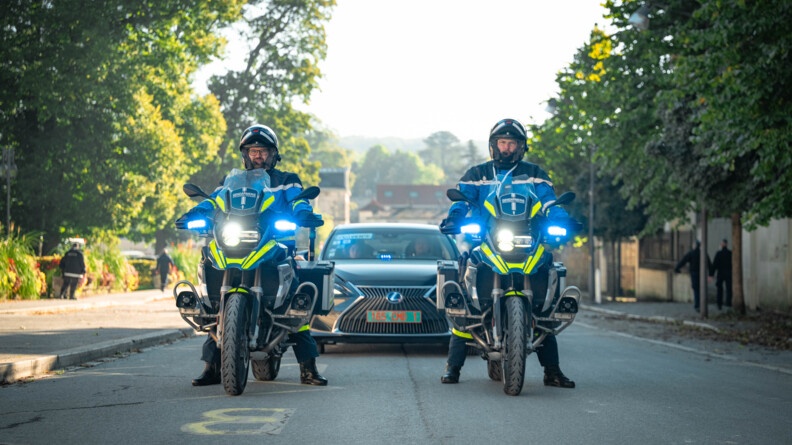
point(380, 166)
point(442, 150)
point(286, 41)
point(698, 104)
point(95, 95)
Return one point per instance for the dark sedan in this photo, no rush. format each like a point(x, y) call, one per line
point(385, 284)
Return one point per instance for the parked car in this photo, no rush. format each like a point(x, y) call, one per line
point(385, 284)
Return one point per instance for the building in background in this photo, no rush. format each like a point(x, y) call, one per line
point(334, 200)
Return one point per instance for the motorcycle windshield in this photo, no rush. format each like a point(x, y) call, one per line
point(513, 199)
point(246, 190)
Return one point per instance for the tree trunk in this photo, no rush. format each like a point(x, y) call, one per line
point(738, 298)
point(160, 242)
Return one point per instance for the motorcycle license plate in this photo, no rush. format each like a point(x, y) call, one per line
point(393, 317)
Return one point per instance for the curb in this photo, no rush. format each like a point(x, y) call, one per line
point(36, 367)
point(655, 318)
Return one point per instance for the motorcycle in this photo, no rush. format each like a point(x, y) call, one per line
point(499, 307)
point(251, 292)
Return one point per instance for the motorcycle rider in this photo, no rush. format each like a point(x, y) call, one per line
point(259, 147)
point(508, 143)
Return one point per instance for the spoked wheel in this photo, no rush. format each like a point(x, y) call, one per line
point(514, 347)
point(235, 356)
point(267, 369)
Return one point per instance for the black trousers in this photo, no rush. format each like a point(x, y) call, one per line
point(70, 286)
point(547, 353)
point(720, 283)
point(304, 348)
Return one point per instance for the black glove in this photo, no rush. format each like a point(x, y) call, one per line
point(191, 215)
point(307, 218)
point(450, 225)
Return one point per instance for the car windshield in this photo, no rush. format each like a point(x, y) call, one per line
point(388, 244)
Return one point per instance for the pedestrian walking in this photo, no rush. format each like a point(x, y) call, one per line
point(72, 267)
point(722, 264)
point(164, 266)
point(693, 260)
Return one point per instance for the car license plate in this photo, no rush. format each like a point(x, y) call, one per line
point(393, 317)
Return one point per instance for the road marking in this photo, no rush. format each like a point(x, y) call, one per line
point(271, 421)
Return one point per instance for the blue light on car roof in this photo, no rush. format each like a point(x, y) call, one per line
point(386, 257)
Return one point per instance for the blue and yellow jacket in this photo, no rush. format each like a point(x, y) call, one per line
point(481, 180)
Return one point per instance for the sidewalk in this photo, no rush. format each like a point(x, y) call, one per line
point(41, 336)
point(722, 335)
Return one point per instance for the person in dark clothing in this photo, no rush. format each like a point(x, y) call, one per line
point(72, 267)
point(508, 144)
point(693, 260)
point(164, 266)
point(259, 148)
point(722, 264)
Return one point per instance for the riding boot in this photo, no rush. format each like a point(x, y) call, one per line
point(309, 375)
point(209, 376)
point(451, 375)
point(554, 377)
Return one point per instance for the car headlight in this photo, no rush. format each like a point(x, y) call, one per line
point(505, 240)
point(232, 234)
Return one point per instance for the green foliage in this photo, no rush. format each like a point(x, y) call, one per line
point(442, 149)
point(693, 111)
point(98, 96)
point(380, 166)
point(20, 276)
point(144, 269)
point(286, 41)
point(186, 258)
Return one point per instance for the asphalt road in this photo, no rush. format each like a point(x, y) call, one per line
point(629, 391)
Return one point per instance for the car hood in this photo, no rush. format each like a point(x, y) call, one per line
point(388, 273)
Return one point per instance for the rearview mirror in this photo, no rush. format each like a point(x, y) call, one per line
point(455, 195)
point(193, 191)
point(309, 193)
point(565, 198)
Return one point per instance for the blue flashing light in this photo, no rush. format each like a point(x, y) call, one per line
point(471, 229)
point(556, 231)
point(284, 225)
point(197, 224)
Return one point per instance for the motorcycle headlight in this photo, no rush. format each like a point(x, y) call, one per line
point(232, 234)
point(505, 240)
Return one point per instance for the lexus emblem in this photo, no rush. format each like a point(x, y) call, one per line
point(394, 298)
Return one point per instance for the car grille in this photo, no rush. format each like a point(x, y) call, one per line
point(354, 320)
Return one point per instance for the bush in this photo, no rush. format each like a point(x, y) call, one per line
point(20, 276)
point(145, 271)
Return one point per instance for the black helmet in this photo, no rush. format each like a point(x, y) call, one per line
point(262, 135)
point(508, 129)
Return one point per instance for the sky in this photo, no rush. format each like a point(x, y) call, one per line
point(410, 68)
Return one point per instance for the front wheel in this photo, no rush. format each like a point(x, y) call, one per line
point(235, 356)
point(514, 354)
